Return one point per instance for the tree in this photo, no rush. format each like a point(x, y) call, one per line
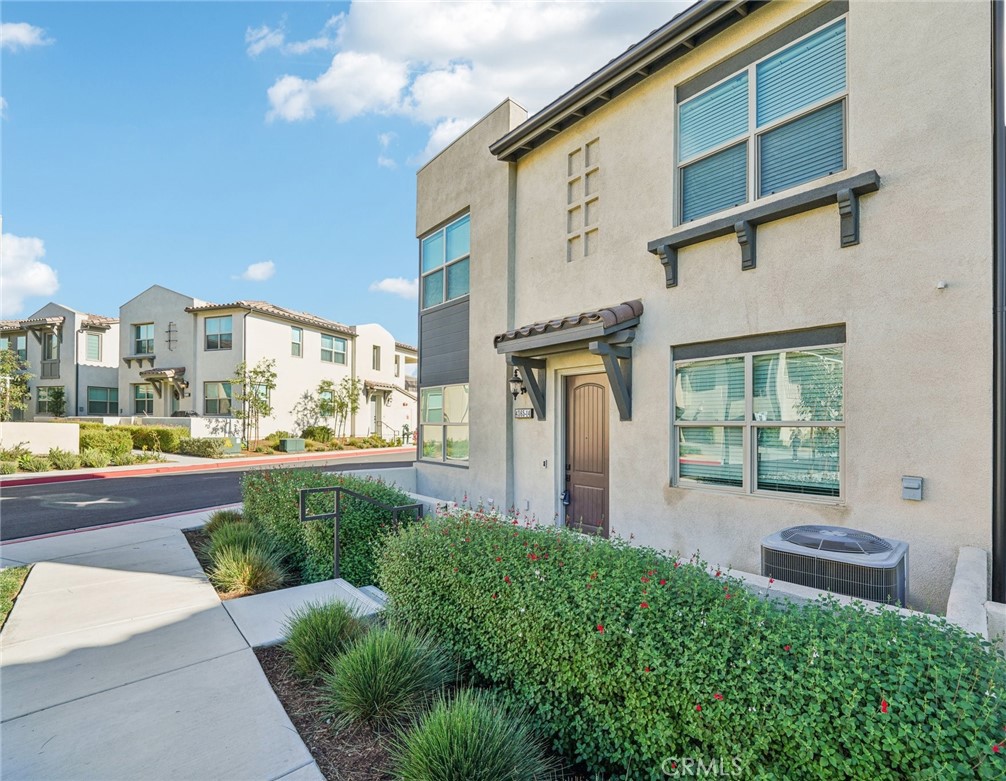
point(326, 400)
point(306, 412)
point(57, 401)
point(252, 388)
point(346, 401)
point(14, 378)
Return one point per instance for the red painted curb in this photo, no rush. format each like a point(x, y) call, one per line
point(154, 470)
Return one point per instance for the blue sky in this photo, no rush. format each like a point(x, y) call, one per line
point(257, 150)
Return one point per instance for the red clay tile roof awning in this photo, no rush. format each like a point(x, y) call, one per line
point(163, 374)
point(571, 328)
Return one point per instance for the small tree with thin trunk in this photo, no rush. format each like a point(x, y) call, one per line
point(346, 401)
point(251, 392)
point(14, 378)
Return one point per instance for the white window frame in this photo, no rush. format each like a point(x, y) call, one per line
point(448, 262)
point(750, 428)
point(87, 345)
point(754, 133)
point(296, 342)
point(444, 427)
point(334, 352)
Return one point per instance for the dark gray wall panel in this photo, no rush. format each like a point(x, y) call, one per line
point(443, 345)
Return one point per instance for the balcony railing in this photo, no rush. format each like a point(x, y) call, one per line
point(50, 370)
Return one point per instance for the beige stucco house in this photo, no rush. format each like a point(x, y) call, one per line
point(179, 354)
point(744, 273)
point(68, 349)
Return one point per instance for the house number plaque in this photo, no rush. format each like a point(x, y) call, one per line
point(523, 413)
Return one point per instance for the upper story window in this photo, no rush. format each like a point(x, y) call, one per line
point(333, 349)
point(765, 422)
point(398, 365)
point(779, 122)
point(445, 262)
point(16, 342)
point(376, 359)
point(296, 342)
point(219, 332)
point(143, 339)
point(92, 349)
point(50, 347)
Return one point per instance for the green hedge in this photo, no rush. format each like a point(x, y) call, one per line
point(272, 500)
point(166, 439)
point(113, 440)
point(203, 447)
point(634, 663)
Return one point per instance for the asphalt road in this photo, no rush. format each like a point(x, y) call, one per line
point(53, 507)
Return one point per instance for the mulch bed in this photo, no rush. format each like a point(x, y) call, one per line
point(347, 755)
point(198, 540)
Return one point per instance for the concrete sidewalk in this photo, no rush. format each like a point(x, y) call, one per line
point(119, 662)
point(178, 463)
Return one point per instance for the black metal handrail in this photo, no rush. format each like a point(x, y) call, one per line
point(336, 514)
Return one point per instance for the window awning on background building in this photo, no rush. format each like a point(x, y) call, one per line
point(607, 332)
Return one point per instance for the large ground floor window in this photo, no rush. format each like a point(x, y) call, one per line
point(443, 418)
point(217, 398)
point(768, 422)
point(102, 401)
point(50, 400)
point(143, 399)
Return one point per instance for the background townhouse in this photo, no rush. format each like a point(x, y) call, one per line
point(745, 275)
point(180, 353)
point(67, 349)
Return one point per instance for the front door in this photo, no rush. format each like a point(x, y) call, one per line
point(587, 453)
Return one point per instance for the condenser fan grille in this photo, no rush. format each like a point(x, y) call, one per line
point(836, 539)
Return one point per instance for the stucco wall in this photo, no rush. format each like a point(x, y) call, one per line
point(40, 437)
point(461, 178)
point(917, 359)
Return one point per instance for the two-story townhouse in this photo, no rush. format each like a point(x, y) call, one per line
point(68, 349)
point(737, 280)
point(390, 405)
point(180, 355)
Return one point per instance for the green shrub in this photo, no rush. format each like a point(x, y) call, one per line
point(113, 440)
point(94, 458)
point(239, 536)
point(8, 467)
point(123, 459)
point(271, 500)
point(34, 464)
point(628, 659)
point(203, 447)
point(165, 439)
point(15, 453)
point(472, 737)
point(318, 631)
point(63, 459)
point(222, 518)
point(236, 572)
point(385, 675)
point(317, 433)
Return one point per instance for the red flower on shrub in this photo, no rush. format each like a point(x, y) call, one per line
point(717, 696)
point(771, 581)
point(677, 564)
point(663, 582)
point(533, 556)
point(644, 604)
point(646, 669)
point(600, 628)
point(506, 578)
point(645, 579)
point(498, 559)
point(718, 573)
point(698, 707)
point(883, 706)
point(495, 596)
point(996, 747)
point(593, 576)
point(727, 595)
point(785, 648)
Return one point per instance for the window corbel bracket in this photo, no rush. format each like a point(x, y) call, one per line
point(533, 372)
point(617, 359)
point(848, 211)
point(746, 236)
point(669, 259)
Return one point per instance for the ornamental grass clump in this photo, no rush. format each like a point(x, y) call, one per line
point(318, 631)
point(239, 572)
point(93, 458)
point(384, 676)
point(633, 661)
point(63, 459)
point(222, 518)
point(240, 537)
point(472, 736)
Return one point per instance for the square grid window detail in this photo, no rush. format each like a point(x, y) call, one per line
point(776, 124)
point(583, 200)
point(764, 423)
point(443, 419)
point(446, 255)
point(217, 398)
point(143, 399)
point(297, 342)
point(333, 349)
point(219, 332)
point(143, 339)
point(102, 401)
point(92, 349)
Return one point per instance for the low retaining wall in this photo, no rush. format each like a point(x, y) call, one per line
point(40, 437)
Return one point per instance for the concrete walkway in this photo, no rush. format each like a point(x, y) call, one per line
point(119, 662)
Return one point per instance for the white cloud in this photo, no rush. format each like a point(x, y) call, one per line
point(460, 59)
point(386, 162)
point(22, 272)
point(260, 39)
point(259, 272)
point(385, 139)
point(3, 108)
point(21, 35)
point(398, 286)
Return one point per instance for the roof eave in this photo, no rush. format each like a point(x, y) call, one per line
point(637, 64)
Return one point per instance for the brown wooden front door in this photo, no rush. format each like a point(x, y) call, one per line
point(587, 453)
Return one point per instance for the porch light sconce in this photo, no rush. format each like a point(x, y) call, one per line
point(516, 385)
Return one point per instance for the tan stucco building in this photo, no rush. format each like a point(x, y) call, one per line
point(745, 273)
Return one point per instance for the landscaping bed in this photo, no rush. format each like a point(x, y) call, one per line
point(11, 581)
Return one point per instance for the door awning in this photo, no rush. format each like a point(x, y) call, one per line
point(607, 332)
